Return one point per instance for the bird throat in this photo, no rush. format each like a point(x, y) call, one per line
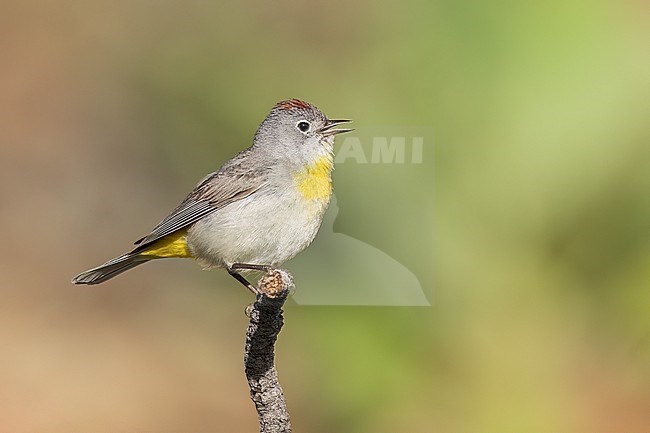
point(315, 181)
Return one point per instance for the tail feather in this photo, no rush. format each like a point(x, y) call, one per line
point(109, 269)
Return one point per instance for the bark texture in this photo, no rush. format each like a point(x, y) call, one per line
point(259, 359)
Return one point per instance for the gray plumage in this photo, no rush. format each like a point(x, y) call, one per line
point(251, 211)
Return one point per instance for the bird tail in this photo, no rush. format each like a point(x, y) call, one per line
point(110, 269)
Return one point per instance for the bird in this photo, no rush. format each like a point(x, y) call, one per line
point(260, 209)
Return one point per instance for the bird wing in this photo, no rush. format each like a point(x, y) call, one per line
point(211, 194)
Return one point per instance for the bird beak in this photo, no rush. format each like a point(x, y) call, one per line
point(328, 131)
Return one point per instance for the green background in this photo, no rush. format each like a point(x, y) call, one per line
point(528, 222)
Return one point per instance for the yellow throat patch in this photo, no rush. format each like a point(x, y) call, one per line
point(173, 245)
point(315, 182)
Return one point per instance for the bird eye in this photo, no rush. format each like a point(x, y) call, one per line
point(303, 126)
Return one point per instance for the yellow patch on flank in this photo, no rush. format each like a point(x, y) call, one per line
point(315, 182)
point(173, 245)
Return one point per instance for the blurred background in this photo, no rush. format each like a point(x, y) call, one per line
point(527, 224)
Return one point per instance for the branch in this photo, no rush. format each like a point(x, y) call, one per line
point(265, 324)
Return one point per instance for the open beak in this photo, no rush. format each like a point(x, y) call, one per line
point(328, 131)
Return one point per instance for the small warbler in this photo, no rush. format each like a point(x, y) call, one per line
point(257, 211)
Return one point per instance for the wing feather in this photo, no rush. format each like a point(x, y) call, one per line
point(219, 189)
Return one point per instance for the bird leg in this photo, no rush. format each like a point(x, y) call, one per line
point(251, 267)
point(239, 277)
